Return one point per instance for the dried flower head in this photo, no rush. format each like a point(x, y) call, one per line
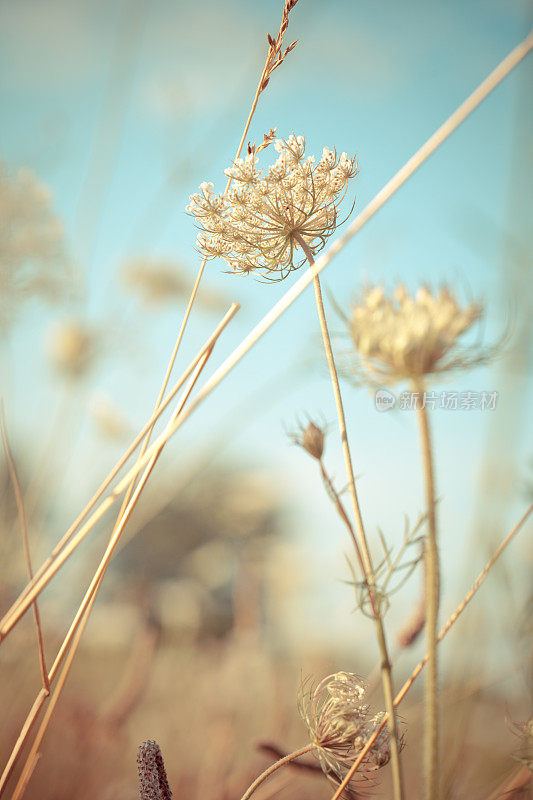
point(340, 724)
point(407, 337)
point(153, 783)
point(70, 348)
point(311, 438)
point(257, 224)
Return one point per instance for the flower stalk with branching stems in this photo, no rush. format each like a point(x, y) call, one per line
point(340, 722)
point(452, 619)
point(406, 337)
point(257, 228)
point(362, 550)
point(372, 738)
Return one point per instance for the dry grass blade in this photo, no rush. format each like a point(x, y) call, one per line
point(53, 564)
point(77, 627)
point(110, 477)
point(117, 533)
point(24, 527)
point(33, 756)
point(22, 737)
point(451, 620)
point(25, 779)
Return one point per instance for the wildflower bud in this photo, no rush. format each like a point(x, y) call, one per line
point(313, 441)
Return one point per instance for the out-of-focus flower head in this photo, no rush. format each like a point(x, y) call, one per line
point(159, 281)
point(406, 337)
point(71, 348)
point(256, 224)
point(340, 723)
point(524, 732)
point(107, 418)
point(32, 253)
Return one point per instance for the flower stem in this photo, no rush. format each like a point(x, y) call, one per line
point(432, 581)
point(368, 570)
point(273, 767)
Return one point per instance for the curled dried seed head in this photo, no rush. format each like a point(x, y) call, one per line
point(340, 724)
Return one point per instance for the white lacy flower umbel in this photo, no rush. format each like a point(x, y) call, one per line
point(405, 337)
point(340, 724)
point(255, 226)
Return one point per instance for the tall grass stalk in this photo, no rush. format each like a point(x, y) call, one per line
point(432, 585)
point(452, 619)
point(409, 682)
point(362, 550)
point(81, 617)
point(19, 500)
point(44, 574)
point(73, 635)
point(4, 623)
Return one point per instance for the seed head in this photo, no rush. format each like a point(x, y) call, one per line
point(407, 337)
point(340, 724)
point(311, 438)
point(256, 225)
point(153, 783)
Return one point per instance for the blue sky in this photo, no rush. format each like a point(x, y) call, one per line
point(123, 108)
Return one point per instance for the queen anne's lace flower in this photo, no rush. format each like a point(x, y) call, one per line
point(340, 724)
point(406, 337)
point(256, 225)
